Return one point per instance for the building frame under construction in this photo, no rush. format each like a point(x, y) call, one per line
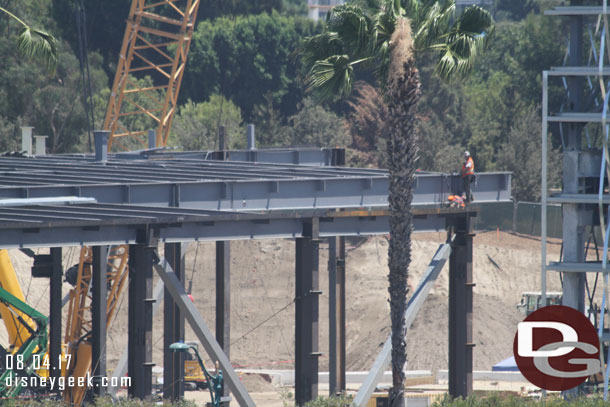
point(154, 197)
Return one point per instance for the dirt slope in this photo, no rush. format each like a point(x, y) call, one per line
point(262, 284)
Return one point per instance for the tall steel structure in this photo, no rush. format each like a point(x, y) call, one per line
point(156, 44)
point(583, 197)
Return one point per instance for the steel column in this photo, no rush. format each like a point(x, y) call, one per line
point(342, 327)
point(139, 362)
point(173, 329)
point(223, 298)
point(460, 309)
point(573, 228)
point(306, 324)
point(333, 371)
point(55, 312)
point(98, 316)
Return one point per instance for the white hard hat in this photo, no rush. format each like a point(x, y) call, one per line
point(466, 153)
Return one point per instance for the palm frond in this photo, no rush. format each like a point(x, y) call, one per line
point(331, 78)
point(465, 41)
point(320, 47)
point(412, 8)
point(385, 24)
point(371, 7)
point(352, 26)
point(432, 23)
point(35, 44)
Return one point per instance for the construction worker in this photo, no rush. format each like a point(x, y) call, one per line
point(467, 176)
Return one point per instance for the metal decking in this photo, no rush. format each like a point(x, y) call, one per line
point(222, 185)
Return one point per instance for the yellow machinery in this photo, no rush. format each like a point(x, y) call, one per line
point(194, 377)
point(17, 332)
point(79, 323)
point(19, 326)
point(156, 43)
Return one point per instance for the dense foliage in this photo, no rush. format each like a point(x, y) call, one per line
point(245, 52)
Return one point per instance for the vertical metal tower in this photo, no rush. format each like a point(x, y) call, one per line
point(585, 162)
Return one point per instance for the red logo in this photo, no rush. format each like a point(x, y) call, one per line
point(557, 348)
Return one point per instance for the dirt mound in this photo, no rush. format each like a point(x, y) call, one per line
point(262, 284)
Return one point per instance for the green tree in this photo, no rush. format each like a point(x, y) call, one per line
point(105, 26)
point(211, 9)
point(514, 9)
point(313, 125)
point(246, 59)
point(56, 108)
point(384, 36)
point(270, 128)
point(521, 154)
point(443, 129)
point(195, 127)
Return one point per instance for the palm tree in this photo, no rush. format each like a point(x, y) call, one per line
point(384, 36)
point(35, 44)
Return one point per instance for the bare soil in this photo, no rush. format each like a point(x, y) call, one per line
point(262, 284)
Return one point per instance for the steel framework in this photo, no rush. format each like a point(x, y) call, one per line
point(59, 201)
point(584, 197)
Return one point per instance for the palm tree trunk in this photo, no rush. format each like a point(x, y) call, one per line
point(402, 93)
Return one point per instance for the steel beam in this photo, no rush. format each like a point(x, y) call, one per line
point(173, 329)
point(177, 228)
point(324, 189)
point(55, 312)
point(205, 336)
point(460, 309)
point(317, 157)
point(139, 364)
point(382, 362)
point(306, 321)
point(223, 298)
point(98, 316)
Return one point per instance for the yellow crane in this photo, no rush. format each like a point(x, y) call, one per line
point(156, 44)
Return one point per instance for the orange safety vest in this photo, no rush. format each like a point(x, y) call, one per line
point(468, 170)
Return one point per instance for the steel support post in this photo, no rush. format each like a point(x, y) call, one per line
point(333, 370)
point(306, 324)
point(98, 316)
point(139, 362)
point(460, 309)
point(573, 230)
point(342, 327)
point(173, 329)
point(573, 227)
point(223, 298)
point(55, 313)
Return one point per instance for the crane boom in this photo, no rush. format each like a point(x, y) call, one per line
point(156, 43)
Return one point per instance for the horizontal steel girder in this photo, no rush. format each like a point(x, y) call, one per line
point(342, 191)
point(185, 228)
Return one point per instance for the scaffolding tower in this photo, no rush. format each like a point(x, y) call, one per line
point(583, 127)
